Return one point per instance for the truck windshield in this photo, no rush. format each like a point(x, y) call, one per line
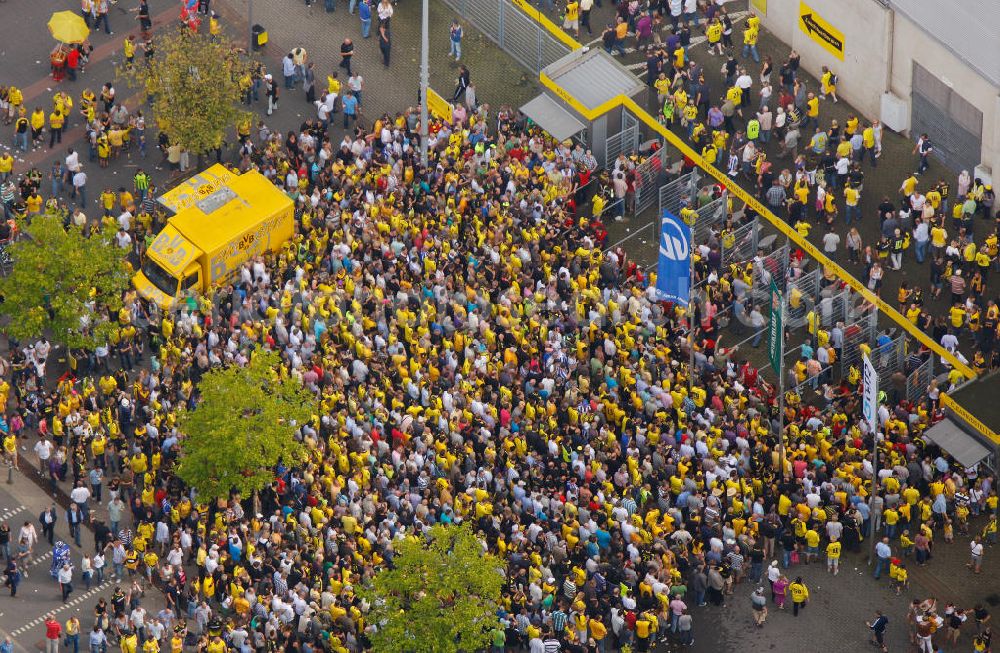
point(166, 282)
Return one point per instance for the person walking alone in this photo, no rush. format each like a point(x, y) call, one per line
point(455, 40)
point(12, 577)
point(800, 595)
point(461, 84)
point(65, 578)
point(384, 42)
point(878, 626)
point(346, 52)
point(52, 631)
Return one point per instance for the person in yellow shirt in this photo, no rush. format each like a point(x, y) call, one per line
point(750, 36)
point(828, 82)
point(56, 122)
point(6, 166)
point(129, 50)
point(216, 645)
point(833, 557)
point(800, 595)
point(713, 31)
point(37, 122)
point(812, 112)
point(214, 26)
point(33, 203)
point(891, 518)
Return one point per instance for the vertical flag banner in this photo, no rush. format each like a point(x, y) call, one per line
point(673, 273)
point(774, 352)
point(869, 400)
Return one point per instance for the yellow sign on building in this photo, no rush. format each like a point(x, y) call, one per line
point(438, 106)
point(820, 31)
point(760, 6)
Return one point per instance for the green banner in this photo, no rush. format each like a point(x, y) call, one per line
point(774, 335)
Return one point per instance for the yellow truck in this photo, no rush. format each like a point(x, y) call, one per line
point(220, 220)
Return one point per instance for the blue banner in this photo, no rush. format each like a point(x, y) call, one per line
point(673, 273)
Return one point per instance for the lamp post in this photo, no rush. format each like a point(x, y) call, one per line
point(250, 25)
point(424, 79)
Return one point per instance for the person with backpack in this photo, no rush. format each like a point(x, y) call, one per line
point(828, 82)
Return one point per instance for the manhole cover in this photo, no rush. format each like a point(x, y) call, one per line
point(993, 599)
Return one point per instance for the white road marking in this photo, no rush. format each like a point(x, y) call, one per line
point(86, 595)
point(10, 512)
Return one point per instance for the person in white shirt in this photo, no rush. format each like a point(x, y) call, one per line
point(72, 162)
point(65, 578)
point(976, 555)
point(43, 449)
point(80, 186)
point(122, 239)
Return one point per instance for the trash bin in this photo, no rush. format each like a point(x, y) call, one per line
point(259, 37)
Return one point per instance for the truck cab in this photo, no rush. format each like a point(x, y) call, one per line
point(170, 269)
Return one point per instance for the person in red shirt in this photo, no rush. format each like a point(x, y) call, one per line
point(72, 63)
point(52, 631)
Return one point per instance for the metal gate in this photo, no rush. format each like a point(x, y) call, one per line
point(624, 142)
point(954, 125)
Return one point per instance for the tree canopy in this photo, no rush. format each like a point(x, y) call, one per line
point(63, 284)
point(243, 426)
point(440, 595)
point(195, 84)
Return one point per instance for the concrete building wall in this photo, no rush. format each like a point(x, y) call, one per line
point(880, 46)
point(865, 25)
point(911, 44)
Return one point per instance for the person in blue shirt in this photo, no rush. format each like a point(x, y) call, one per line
point(365, 15)
point(349, 103)
point(456, 40)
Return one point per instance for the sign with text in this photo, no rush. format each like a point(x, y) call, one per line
point(673, 272)
point(774, 336)
point(826, 35)
point(438, 106)
point(869, 400)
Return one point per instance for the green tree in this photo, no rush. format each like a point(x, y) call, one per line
point(195, 82)
point(243, 426)
point(440, 596)
point(63, 284)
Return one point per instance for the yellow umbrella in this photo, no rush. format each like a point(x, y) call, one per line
point(68, 27)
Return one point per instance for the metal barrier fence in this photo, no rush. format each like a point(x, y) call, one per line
point(648, 176)
point(741, 245)
point(772, 266)
point(889, 359)
point(919, 379)
point(862, 331)
point(678, 193)
point(709, 216)
point(517, 33)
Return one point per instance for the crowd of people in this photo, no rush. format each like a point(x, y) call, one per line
point(814, 176)
point(475, 357)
